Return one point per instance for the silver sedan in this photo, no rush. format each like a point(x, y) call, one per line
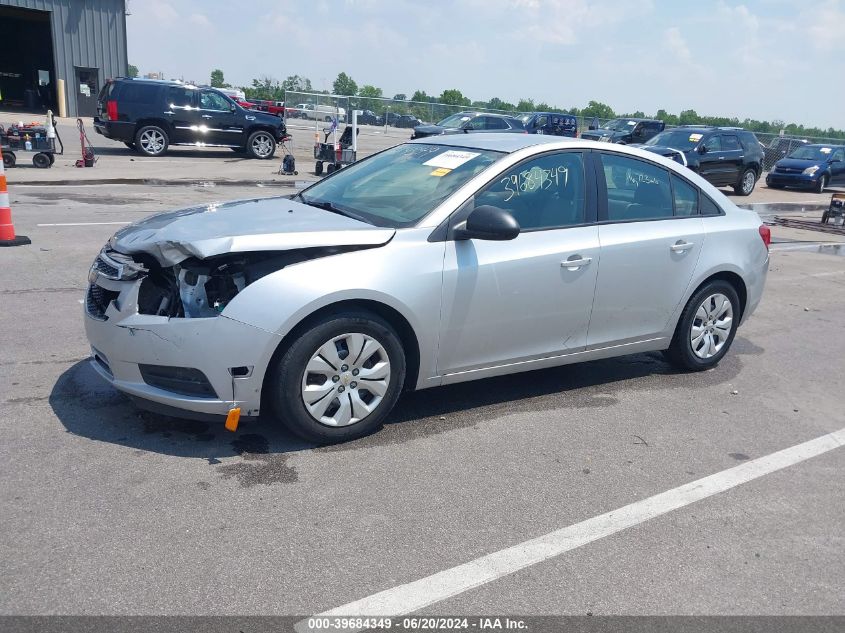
point(434, 262)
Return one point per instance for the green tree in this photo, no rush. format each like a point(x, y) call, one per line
point(295, 83)
point(400, 96)
point(370, 92)
point(454, 97)
point(265, 87)
point(688, 117)
point(132, 71)
point(598, 109)
point(419, 95)
point(497, 104)
point(217, 80)
point(344, 85)
point(526, 105)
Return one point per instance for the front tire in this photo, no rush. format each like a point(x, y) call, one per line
point(821, 184)
point(746, 183)
point(340, 379)
point(151, 140)
point(261, 145)
point(706, 328)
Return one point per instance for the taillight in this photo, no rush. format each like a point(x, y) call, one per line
point(765, 235)
point(111, 110)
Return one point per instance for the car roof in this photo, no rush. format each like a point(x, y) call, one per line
point(159, 82)
point(500, 142)
point(823, 145)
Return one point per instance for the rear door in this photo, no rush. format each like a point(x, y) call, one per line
point(180, 109)
point(731, 164)
point(651, 237)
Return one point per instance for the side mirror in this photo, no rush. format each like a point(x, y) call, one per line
point(591, 127)
point(487, 223)
point(702, 149)
point(232, 107)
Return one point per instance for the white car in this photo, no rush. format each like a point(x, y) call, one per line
point(320, 112)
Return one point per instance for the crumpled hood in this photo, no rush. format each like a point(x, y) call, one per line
point(270, 224)
point(600, 132)
point(421, 131)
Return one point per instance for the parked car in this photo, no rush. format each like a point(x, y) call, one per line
point(407, 120)
point(150, 115)
point(551, 123)
point(545, 258)
point(470, 122)
point(724, 156)
point(810, 167)
point(779, 147)
point(320, 112)
point(266, 105)
point(368, 117)
point(625, 131)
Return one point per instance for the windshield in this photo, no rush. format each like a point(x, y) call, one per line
point(813, 152)
point(454, 121)
point(676, 139)
point(401, 185)
point(619, 125)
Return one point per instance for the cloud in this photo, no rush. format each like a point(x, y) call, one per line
point(677, 45)
point(827, 26)
point(164, 11)
point(201, 20)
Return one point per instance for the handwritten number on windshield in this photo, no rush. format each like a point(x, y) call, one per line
point(535, 179)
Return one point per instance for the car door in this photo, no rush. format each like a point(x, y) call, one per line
point(837, 167)
point(218, 124)
point(651, 237)
point(530, 297)
point(731, 161)
point(180, 108)
point(710, 161)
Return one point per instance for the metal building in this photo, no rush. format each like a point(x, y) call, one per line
point(82, 42)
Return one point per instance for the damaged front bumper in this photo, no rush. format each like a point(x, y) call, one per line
point(206, 366)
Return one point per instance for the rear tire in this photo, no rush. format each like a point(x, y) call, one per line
point(746, 183)
point(9, 160)
point(706, 328)
point(318, 168)
point(151, 140)
point(41, 160)
point(314, 389)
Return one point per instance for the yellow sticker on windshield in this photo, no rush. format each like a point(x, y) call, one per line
point(440, 172)
point(695, 138)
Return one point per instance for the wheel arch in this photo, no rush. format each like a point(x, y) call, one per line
point(403, 328)
point(734, 280)
point(164, 125)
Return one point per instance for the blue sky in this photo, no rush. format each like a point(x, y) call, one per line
point(763, 59)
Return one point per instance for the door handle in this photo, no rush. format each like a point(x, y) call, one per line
point(206, 116)
point(170, 113)
point(575, 262)
point(721, 158)
point(680, 247)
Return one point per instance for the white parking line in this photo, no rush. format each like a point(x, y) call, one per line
point(83, 224)
point(445, 584)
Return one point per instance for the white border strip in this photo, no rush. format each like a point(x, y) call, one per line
point(445, 584)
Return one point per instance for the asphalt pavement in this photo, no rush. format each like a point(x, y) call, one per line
point(108, 510)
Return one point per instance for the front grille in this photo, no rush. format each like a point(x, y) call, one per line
point(112, 272)
point(97, 300)
point(185, 381)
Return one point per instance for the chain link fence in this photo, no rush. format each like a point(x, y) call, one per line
point(395, 119)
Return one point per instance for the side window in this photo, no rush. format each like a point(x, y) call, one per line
point(708, 207)
point(685, 197)
point(139, 93)
point(713, 144)
point(729, 142)
point(543, 193)
point(494, 123)
point(543, 121)
point(213, 101)
point(636, 190)
point(839, 155)
point(180, 97)
point(478, 123)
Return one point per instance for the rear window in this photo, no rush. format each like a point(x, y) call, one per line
point(106, 90)
point(138, 93)
point(729, 143)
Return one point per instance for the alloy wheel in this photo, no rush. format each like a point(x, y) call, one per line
point(748, 182)
point(346, 379)
point(262, 145)
point(152, 141)
point(712, 325)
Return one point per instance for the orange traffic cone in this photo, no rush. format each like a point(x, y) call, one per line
point(7, 229)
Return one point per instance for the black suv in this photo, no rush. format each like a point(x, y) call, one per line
point(625, 131)
point(470, 122)
point(724, 156)
point(149, 115)
point(551, 123)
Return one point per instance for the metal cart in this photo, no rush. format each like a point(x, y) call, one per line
point(836, 210)
point(30, 139)
point(325, 152)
